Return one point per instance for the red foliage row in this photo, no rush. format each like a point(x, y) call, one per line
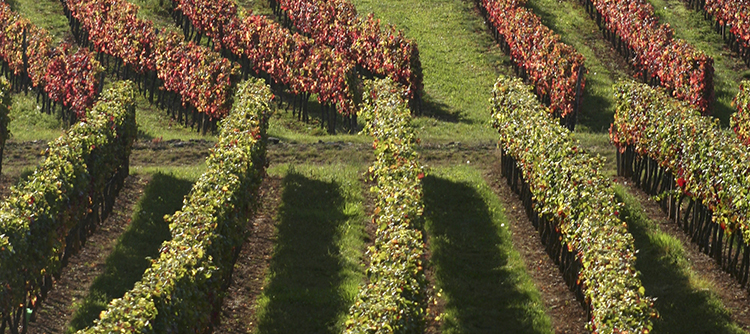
point(383, 52)
point(735, 14)
point(684, 71)
point(70, 78)
point(552, 66)
point(289, 59)
point(201, 77)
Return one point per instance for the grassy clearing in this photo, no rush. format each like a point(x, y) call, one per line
point(315, 269)
point(605, 66)
point(287, 128)
point(686, 302)
point(460, 62)
point(156, 11)
point(260, 7)
point(690, 26)
point(140, 242)
point(482, 278)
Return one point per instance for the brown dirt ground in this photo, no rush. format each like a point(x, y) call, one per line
point(248, 277)
point(84, 267)
point(735, 299)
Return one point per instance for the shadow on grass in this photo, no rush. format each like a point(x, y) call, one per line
point(472, 266)
point(143, 238)
point(303, 294)
point(683, 307)
point(13, 4)
point(723, 111)
point(597, 112)
point(439, 110)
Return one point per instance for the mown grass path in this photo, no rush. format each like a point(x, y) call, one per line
point(314, 271)
point(459, 59)
point(482, 277)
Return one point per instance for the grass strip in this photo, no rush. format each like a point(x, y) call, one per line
point(482, 278)
point(315, 269)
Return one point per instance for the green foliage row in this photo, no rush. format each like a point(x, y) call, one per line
point(183, 288)
point(5, 103)
point(395, 299)
point(569, 190)
point(62, 194)
point(709, 165)
point(740, 121)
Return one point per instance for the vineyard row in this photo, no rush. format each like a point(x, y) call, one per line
point(555, 69)
point(47, 217)
point(182, 290)
point(286, 60)
point(58, 75)
point(732, 21)
point(377, 52)
point(669, 150)
point(685, 72)
point(395, 298)
point(573, 207)
point(196, 81)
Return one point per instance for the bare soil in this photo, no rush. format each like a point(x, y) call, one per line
point(248, 277)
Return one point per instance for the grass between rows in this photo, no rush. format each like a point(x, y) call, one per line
point(460, 62)
point(315, 269)
point(28, 123)
point(482, 277)
point(45, 14)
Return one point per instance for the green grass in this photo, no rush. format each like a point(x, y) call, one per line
point(690, 26)
point(156, 11)
point(141, 241)
point(154, 123)
point(482, 277)
point(29, 123)
point(460, 60)
point(686, 303)
point(315, 269)
point(259, 7)
point(286, 127)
